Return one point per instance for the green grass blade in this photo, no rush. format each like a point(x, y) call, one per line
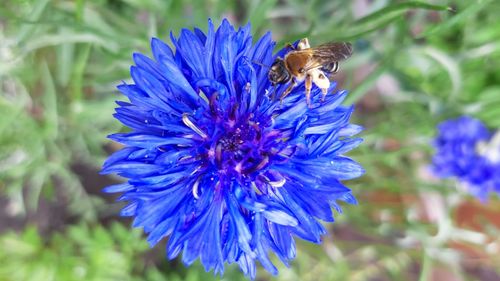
point(460, 17)
point(401, 8)
point(49, 100)
point(35, 14)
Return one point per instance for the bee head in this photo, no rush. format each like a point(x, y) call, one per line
point(278, 74)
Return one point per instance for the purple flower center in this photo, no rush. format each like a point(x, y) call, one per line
point(242, 148)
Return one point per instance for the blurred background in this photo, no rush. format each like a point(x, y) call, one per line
point(415, 64)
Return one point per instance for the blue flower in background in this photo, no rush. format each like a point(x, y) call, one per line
point(466, 150)
point(214, 164)
point(456, 153)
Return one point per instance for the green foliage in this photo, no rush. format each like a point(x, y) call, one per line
point(416, 63)
point(80, 253)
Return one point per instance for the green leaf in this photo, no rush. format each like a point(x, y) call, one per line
point(65, 57)
point(49, 99)
point(461, 17)
point(36, 183)
point(35, 14)
point(401, 8)
point(451, 67)
point(65, 37)
point(367, 83)
point(376, 20)
point(79, 71)
point(489, 101)
point(258, 12)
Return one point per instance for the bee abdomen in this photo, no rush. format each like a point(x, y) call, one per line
point(332, 67)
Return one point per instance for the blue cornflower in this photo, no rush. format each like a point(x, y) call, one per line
point(466, 150)
point(216, 165)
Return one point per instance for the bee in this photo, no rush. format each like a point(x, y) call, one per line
point(312, 65)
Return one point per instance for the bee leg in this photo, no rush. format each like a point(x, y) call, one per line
point(319, 78)
point(308, 84)
point(288, 90)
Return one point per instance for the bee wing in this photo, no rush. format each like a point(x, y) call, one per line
point(327, 53)
point(313, 64)
point(332, 52)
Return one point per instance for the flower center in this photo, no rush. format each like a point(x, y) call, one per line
point(243, 148)
point(232, 142)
